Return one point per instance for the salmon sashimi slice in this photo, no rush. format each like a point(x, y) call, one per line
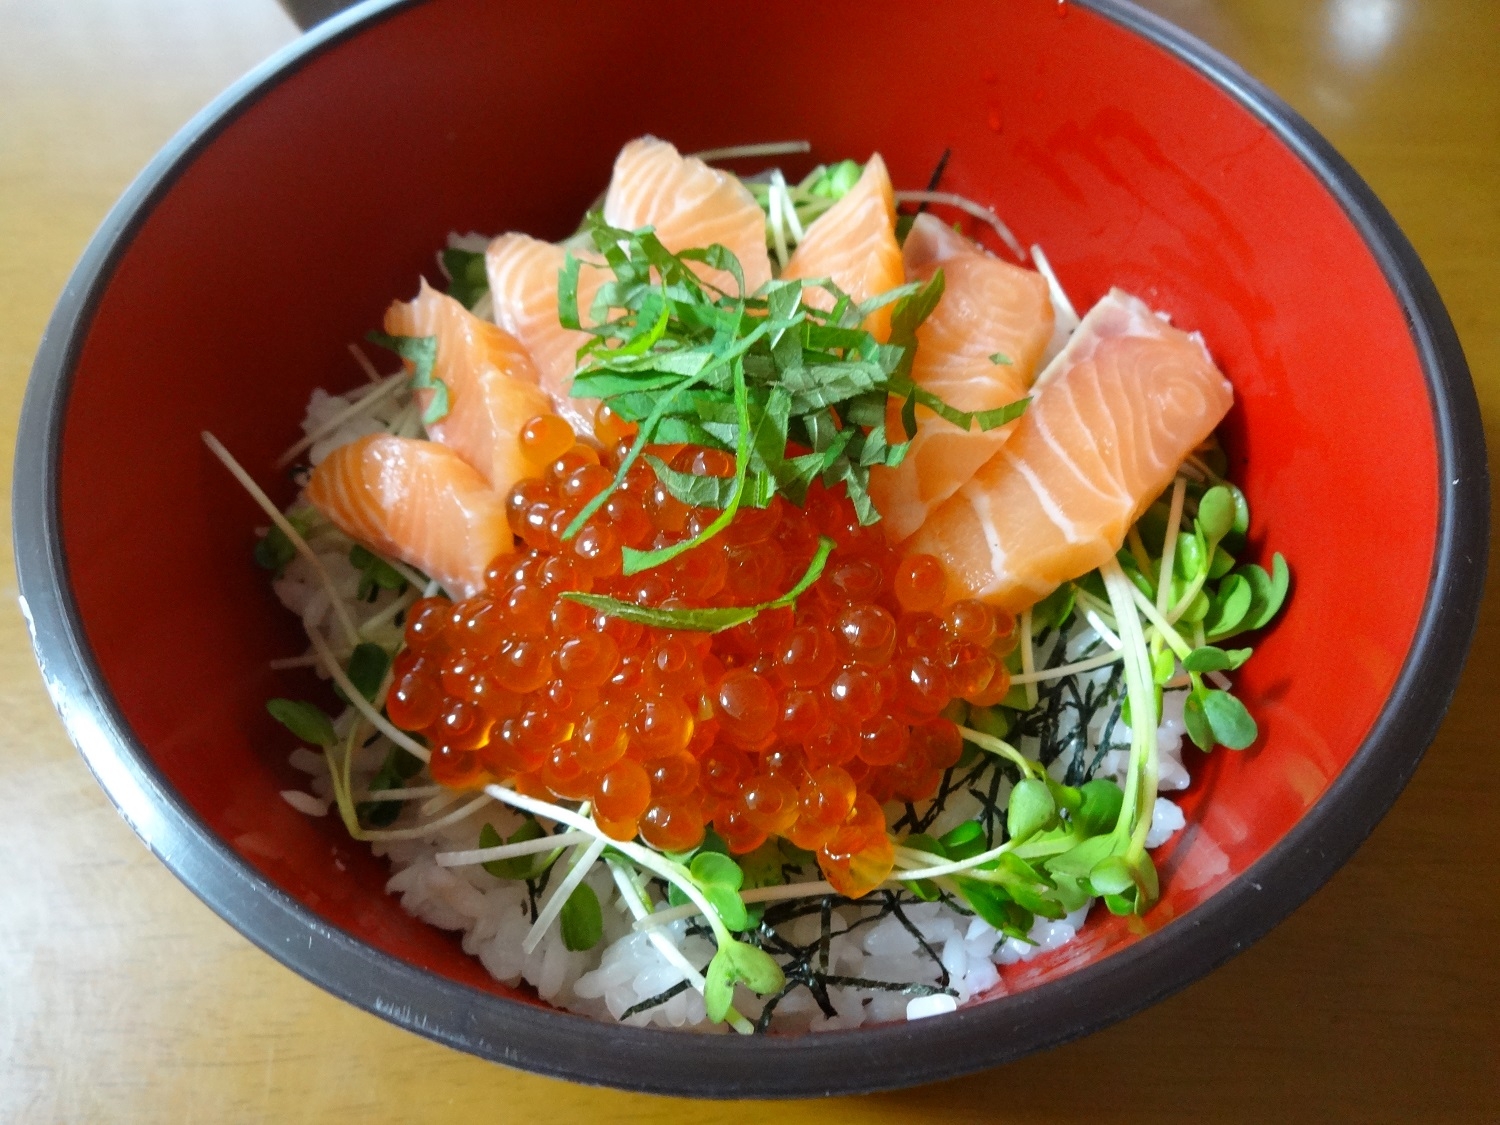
point(854, 243)
point(1099, 442)
point(416, 501)
point(989, 308)
point(690, 205)
point(523, 289)
point(491, 381)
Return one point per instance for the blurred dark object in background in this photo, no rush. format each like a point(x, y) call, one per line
point(1200, 17)
point(309, 12)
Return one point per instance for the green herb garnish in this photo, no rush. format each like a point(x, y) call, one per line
point(795, 393)
point(367, 667)
point(467, 278)
point(709, 620)
point(522, 866)
point(374, 573)
point(421, 353)
point(581, 920)
point(304, 720)
point(399, 767)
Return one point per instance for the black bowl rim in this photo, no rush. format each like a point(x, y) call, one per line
point(886, 1057)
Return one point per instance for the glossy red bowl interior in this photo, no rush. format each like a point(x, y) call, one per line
point(276, 230)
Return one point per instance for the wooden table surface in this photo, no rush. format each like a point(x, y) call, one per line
point(123, 998)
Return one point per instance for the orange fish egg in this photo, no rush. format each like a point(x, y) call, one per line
point(799, 723)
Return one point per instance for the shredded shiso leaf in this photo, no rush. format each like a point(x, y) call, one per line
point(759, 377)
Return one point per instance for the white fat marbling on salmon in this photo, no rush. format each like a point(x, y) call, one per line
point(522, 274)
point(417, 501)
point(1128, 399)
point(854, 243)
point(690, 205)
point(988, 307)
point(492, 384)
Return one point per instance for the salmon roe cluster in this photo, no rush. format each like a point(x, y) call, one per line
point(799, 723)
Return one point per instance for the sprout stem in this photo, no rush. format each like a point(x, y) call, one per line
point(642, 857)
point(968, 206)
point(1028, 659)
point(506, 851)
point(341, 611)
point(1169, 546)
point(1062, 670)
point(586, 858)
point(1166, 632)
point(640, 908)
point(360, 703)
point(1003, 749)
point(1138, 550)
point(740, 152)
point(1140, 777)
point(360, 406)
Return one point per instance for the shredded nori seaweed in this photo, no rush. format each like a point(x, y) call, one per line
point(1047, 732)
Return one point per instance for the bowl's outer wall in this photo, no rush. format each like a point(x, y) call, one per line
point(323, 198)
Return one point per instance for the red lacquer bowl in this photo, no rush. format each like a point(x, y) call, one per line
point(278, 225)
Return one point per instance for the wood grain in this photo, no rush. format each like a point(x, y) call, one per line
point(123, 998)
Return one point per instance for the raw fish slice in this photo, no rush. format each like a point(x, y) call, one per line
point(492, 385)
point(1099, 442)
point(854, 243)
point(523, 287)
point(690, 205)
point(988, 307)
point(417, 501)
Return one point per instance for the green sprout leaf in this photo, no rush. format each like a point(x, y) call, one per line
point(1188, 560)
point(581, 920)
point(1066, 796)
point(367, 667)
point(273, 551)
point(836, 180)
point(1241, 511)
point(993, 721)
point(925, 889)
point(720, 879)
point(304, 720)
point(1102, 801)
point(1268, 592)
point(375, 572)
point(399, 766)
point(1228, 609)
point(1196, 720)
point(1210, 659)
point(1147, 885)
point(1031, 808)
point(1071, 892)
point(520, 866)
point(996, 907)
point(1078, 861)
point(1216, 513)
point(1221, 563)
point(1231, 723)
point(1163, 666)
point(467, 278)
point(1111, 876)
point(1053, 611)
point(964, 841)
point(734, 963)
